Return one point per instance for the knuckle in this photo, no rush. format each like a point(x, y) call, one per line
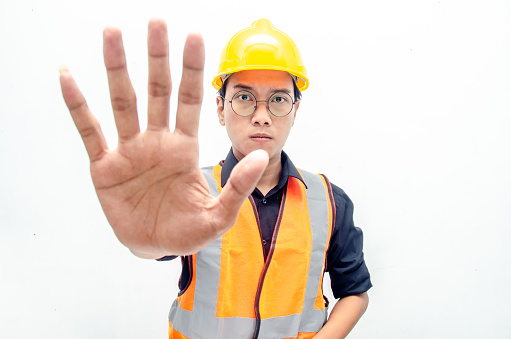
point(123, 104)
point(190, 97)
point(157, 89)
point(237, 186)
point(87, 132)
point(74, 106)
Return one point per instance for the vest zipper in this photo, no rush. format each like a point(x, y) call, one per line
point(267, 261)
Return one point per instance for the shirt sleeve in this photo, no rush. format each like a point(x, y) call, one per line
point(167, 258)
point(345, 258)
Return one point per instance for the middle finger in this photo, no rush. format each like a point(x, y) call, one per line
point(160, 84)
point(122, 95)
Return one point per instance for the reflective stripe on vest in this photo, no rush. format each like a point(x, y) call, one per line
point(234, 293)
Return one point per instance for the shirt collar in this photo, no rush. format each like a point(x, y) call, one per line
point(288, 169)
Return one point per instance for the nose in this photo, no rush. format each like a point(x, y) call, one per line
point(261, 115)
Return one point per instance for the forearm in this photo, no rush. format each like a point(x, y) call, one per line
point(344, 316)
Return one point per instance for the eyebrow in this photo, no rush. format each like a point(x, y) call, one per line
point(241, 86)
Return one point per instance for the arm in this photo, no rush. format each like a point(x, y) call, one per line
point(151, 188)
point(349, 276)
point(344, 316)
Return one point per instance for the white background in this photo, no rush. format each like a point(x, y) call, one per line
point(409, 111)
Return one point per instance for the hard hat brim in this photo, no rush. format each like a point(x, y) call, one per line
point(302, 83)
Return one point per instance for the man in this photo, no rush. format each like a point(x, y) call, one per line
point(251, 267)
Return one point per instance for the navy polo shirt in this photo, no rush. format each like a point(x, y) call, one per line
point(345, 259)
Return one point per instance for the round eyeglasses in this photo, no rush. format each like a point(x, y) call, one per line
point(244, 103)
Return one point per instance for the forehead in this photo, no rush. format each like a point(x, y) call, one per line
point(261, 80)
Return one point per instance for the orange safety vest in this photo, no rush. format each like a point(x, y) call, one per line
point(234, 293)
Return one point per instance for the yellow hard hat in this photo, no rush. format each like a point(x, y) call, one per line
point(261, 46)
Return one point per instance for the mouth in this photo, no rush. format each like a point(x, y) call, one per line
point(260, 137)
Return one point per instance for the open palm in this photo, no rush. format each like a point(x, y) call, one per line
point(151, 188)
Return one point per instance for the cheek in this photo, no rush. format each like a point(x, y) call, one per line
point(232, 126)
point(289, 124)
point(230, 121)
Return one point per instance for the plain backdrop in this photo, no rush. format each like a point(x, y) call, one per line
point(408, 110)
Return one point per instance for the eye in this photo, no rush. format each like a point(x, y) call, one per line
point(243, 96)
point(280, 98)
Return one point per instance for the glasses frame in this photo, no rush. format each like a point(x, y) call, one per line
point(257, 101)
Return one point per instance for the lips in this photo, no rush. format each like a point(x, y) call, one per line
point(260, 136)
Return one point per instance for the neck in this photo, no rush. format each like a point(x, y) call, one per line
point(271, 175)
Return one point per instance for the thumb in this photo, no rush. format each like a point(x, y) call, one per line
point(242, 182)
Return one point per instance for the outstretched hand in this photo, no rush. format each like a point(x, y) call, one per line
point(151, 188)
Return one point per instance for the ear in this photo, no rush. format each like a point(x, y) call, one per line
point(220, 110)
point(297, 104)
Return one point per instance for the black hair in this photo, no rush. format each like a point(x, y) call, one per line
point(221, 91)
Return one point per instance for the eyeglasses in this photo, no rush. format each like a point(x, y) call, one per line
point(244, 103)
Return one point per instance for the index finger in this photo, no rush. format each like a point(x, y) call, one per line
point(191, 88)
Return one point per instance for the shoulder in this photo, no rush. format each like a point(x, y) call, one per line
point(342, 200)
point(343, 211)
point(339, 195)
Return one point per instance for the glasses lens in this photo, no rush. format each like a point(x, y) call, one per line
point(280, 104)
point(243, 103)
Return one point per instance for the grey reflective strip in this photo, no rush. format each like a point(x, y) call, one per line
point(203, 323)
point(208, 264)
point(197, 325)
point(281, 327)
point(317, 201)
point(213, 185)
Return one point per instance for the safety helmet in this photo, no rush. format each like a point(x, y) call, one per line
point(261, 46)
